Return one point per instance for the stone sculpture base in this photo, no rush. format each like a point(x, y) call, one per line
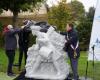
point(47, 70)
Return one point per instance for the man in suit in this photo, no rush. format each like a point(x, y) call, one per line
point(72, 48)
point(23, 43)
point(10, 46)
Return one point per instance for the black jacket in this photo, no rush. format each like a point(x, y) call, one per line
point(10, 39)
point(72, 40)
point(24, 38)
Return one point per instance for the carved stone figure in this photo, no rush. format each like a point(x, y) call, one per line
point(46, 59)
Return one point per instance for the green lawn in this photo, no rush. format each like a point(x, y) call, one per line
point(82, 65)
point(4, 62)
point(3, 76)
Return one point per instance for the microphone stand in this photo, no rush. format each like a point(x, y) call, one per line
point(92, 64)
point(93, 59)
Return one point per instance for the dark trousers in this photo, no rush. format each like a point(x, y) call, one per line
point(10, 54)
point(22, 51)
point(74, 66)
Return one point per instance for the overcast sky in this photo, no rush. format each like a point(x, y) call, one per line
point(86, 3)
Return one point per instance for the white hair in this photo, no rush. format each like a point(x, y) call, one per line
point(9, 26)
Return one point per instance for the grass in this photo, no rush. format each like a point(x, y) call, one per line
point(81, 70)
point(3, 76)
point(82, 67)
point(4, 62)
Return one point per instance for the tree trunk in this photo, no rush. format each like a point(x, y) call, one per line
point(14, 19)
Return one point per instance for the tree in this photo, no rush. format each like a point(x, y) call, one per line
point(1, 11)
point(15, 6)
point(84, 28)
point(66, 12)
point(77, 10)
point(90, 14)
point(59, 15)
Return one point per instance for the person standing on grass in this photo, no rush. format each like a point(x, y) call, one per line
point(10, 46)
point(72, 48)
point(23, 42)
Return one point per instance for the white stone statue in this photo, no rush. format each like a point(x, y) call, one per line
point(46, 59)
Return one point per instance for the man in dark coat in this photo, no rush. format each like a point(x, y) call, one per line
point(72, 48)
point(10, 46)
point(23, 44)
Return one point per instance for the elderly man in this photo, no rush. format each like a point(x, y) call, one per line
point(10, 46)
